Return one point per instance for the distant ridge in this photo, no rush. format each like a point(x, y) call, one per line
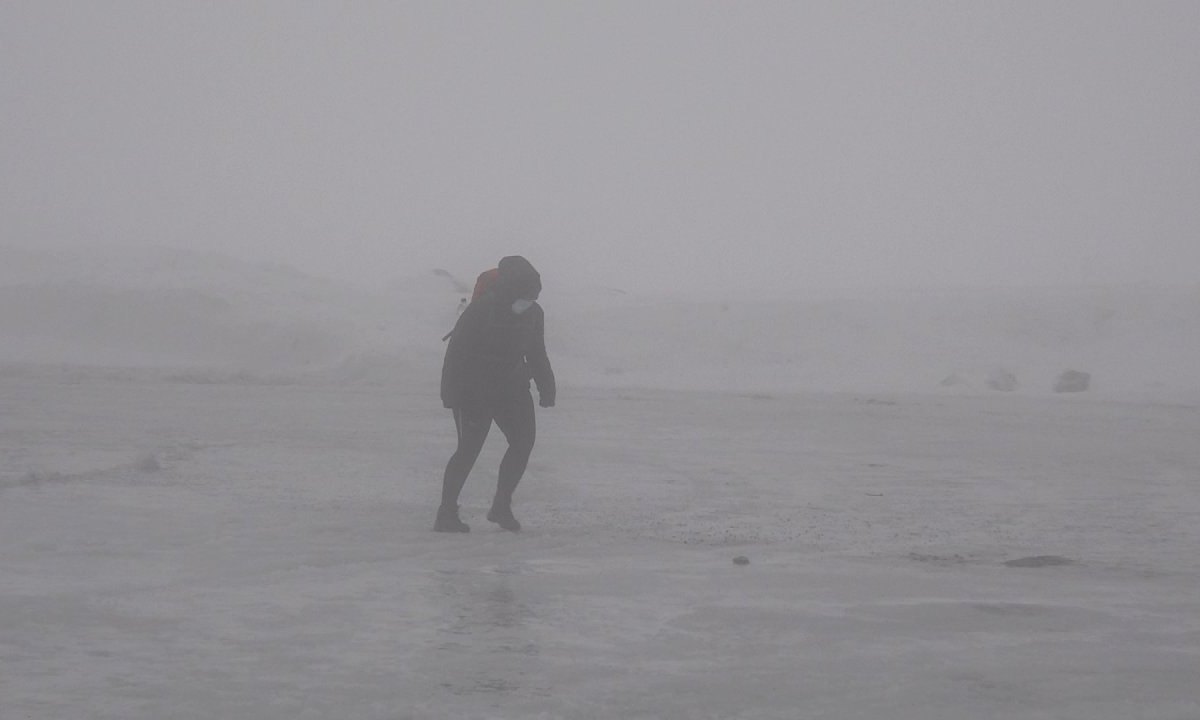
point(216, 317)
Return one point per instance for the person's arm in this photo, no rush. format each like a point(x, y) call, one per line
point(539, 362)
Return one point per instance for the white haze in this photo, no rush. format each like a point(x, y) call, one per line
point(811, 274)
point(672, 147)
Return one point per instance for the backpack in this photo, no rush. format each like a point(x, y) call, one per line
point(483, 283)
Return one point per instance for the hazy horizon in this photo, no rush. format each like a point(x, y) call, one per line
point(690, 147)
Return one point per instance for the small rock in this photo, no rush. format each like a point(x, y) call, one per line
point(1038, 561)
point(1072, 381)
point(955, 380)
point(741, 560)
point(147, 464)
point(1002, 381)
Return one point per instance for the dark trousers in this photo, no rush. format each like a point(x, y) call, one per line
point(514, 416)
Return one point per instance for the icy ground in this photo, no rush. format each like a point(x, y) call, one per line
point(200, 551)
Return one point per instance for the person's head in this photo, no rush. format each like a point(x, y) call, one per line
point(517, 279)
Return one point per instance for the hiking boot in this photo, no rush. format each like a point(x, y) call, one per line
point(503, 517)
point(447, 521)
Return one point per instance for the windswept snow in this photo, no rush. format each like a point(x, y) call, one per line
point(217, 487)
point(275, 560)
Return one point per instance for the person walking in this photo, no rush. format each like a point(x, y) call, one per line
point(497, 346)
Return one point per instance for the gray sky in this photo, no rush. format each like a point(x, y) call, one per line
point(643, 145)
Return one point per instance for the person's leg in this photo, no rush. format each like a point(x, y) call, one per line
point(472, 425)
point(517, 420)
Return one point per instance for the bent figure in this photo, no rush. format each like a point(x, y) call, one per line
point(496, 348)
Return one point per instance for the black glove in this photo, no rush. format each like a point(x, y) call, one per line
point(546, 401)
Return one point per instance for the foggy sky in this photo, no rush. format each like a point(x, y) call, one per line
point(718, 147)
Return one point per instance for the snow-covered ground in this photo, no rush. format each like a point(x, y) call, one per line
point(221, 508)
point(264, 551)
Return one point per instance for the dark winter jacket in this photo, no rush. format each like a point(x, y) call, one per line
point(494, 351)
